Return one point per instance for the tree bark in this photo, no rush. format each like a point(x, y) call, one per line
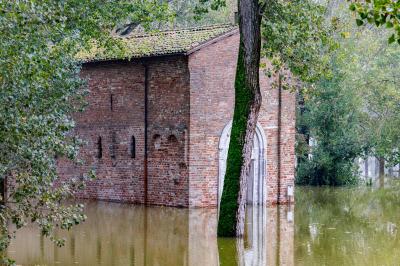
point(3, 187)
point(2, 190)
point(247, 107)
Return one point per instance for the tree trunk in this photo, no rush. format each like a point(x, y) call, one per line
point(3, 187)
point(247, 107)
point(2, 191)
point(381, 172)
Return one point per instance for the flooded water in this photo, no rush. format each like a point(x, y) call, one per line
point(347, 226)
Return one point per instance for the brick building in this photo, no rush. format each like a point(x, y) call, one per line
point(158, 122)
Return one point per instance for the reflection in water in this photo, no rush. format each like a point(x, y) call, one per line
point(268, 240)
point(342, 226)
point(117, 234)
point(347, 226)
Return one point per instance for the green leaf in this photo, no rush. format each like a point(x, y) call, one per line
point(359, 22)
point(392, 39)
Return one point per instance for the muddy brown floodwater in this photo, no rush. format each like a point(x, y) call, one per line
point(342, 226)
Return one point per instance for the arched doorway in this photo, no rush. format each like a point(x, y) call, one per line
point(256, 183)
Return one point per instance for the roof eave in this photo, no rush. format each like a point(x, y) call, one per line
point(128, 59)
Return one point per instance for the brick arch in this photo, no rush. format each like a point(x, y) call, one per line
point(257, 169)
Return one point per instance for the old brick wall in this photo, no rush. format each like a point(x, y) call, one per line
point(190, 101)
point(212, 74)
point(273, 99)
point(287, 144)
point(116, 114)
point(168, 113)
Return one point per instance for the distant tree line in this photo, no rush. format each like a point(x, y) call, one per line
point(354, 112)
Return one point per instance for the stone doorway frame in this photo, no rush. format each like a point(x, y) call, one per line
point(223, 152)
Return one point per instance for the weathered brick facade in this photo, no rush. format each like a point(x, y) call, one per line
point(184, 100)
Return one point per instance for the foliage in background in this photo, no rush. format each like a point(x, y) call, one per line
point(382, 13)
point(373, 73)
point(39, 89)
point(364, 83)
point(332, 117)
point(187, 14)
point(298, 38)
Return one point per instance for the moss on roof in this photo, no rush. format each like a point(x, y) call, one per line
point(138, 45)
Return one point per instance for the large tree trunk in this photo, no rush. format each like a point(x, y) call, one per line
point(247, 107)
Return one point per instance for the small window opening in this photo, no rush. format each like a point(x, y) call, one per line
point(172, 139)
point(112, 102)
point(99, 148)
point(133, 147)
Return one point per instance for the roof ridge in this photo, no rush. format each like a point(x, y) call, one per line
point(181, 41)
point(189, 29)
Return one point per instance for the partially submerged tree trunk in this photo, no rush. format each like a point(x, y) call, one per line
point(247, 107)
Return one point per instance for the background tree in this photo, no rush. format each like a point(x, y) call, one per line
point(187, 15)
point(39, 89)
point(333, 119)
point(374, 75)
point(364, 83)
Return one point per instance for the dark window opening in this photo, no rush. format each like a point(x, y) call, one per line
point(133, 147)
point(112, 102)
point(99, 148)
point(172, 139)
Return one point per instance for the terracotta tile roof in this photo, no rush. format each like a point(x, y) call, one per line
point(159, 43)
